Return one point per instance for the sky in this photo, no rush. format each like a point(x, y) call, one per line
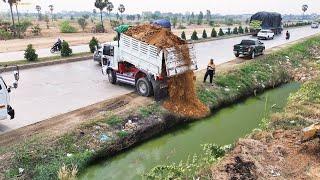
point(215, 6)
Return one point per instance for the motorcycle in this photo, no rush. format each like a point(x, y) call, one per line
point(55, 48)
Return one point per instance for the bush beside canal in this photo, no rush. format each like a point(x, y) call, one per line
point(42, 159)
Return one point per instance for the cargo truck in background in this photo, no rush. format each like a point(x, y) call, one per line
point(266, 21)
point(144, 66)
point(5, 109)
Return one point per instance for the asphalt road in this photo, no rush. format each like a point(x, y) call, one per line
point(49, 91)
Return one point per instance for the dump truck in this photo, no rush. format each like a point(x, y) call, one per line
point(267, 21)
point(6, 111)
point(143, 65)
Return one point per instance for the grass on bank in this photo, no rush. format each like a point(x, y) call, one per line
point(45, 59)
point(43, 159)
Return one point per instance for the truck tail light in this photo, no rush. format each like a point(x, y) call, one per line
point(159, 78)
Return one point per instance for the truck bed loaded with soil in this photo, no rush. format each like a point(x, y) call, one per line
point(158, 63)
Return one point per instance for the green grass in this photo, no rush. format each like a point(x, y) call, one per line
point(122, 134)
point(114, 120)
point(44, 59)
point(150, 109)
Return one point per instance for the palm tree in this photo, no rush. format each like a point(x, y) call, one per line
point(38, 8)
point(11, 2)
point(304, 8)
point(16, 3)
point(51, 10)
point(101, 4)
point(121, 9)
point(109, 7)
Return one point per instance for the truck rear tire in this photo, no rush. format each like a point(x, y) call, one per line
point(112, 76)
point(144, 87)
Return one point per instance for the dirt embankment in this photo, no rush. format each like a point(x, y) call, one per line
point(182, 94)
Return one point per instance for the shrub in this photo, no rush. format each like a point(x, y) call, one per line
point(113, 23)
point(65, 49)
point(220, 32)
point(211, 23)
point(30, 53)
point(213, 32)
point(65, 27)
point(93, 44)
point(23, 26)
point(235, 30)
point(229, 31)
point(99, 28)
point(36, 30)
point(194, 35)
point(241, 31)
point(83, 23)
point(204, 34)
point(5, 35)
point(246, 30)
point(183, 35)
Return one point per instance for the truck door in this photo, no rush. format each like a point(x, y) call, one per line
point(4, 100)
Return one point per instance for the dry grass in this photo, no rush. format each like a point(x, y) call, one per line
point(66, 173)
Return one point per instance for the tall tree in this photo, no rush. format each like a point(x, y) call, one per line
point(208, 15)
point(304, 8)
point(109, 9)
point(121, 9)
point(11, 2)
point(51, 10)
point(38, 8)
point(101, 4)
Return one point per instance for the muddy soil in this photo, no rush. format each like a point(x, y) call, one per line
point(275, 155)
point(182, 95)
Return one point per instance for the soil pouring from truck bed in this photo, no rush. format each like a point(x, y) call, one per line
point(182, 95)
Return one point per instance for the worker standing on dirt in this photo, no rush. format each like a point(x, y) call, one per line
point(211, 71)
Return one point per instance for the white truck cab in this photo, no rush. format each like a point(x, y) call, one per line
point(144, 66)
point(5, 109)
point(265, 34)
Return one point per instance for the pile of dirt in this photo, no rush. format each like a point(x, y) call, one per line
point(154, 35)
point(241, 169)
point(182, 95)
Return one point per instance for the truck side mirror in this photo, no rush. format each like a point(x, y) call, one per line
point(16, 75)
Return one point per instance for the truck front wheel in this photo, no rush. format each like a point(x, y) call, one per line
point(112, 76)
point(144, 87)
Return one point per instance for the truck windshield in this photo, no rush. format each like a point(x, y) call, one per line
point(247, 42)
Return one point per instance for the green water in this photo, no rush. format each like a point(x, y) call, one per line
point(225, 127)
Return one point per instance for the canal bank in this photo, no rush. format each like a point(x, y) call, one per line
point(179, 143)
point(107, 136)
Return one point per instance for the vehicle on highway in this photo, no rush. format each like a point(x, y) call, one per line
point(250, 48)
point(266, 34)
point(144, 66)
point(97, 55)
point(315, 25)
point(5, 109)
point(266, 20)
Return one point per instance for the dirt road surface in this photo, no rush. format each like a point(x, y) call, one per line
point(50, 91)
